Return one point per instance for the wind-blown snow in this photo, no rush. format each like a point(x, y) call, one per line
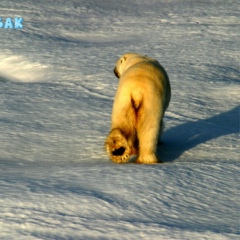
point(56, 94)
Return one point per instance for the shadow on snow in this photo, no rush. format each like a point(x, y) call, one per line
point(184, 137)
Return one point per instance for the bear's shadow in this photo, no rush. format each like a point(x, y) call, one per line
point(184, 137)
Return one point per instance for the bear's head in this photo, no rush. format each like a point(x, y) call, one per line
point(126, 61)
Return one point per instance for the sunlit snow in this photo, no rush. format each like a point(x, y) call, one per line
point(56, 92)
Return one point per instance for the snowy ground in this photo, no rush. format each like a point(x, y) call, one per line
point(56, 93)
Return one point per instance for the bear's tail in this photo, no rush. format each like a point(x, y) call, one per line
point(136, 99)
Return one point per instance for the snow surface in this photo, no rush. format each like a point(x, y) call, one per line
point(56, 94)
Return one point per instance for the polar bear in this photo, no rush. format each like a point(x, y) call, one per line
point(142, 97)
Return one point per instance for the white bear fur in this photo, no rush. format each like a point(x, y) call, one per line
point(141, 100)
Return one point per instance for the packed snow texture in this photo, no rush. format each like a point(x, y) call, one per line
point(56, 93)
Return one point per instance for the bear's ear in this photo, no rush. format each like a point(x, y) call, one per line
point(123, 59)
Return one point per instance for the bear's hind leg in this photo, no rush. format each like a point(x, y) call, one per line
point(117, 146)
point(148, 132)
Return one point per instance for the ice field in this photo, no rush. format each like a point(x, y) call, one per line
point(56, 92)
